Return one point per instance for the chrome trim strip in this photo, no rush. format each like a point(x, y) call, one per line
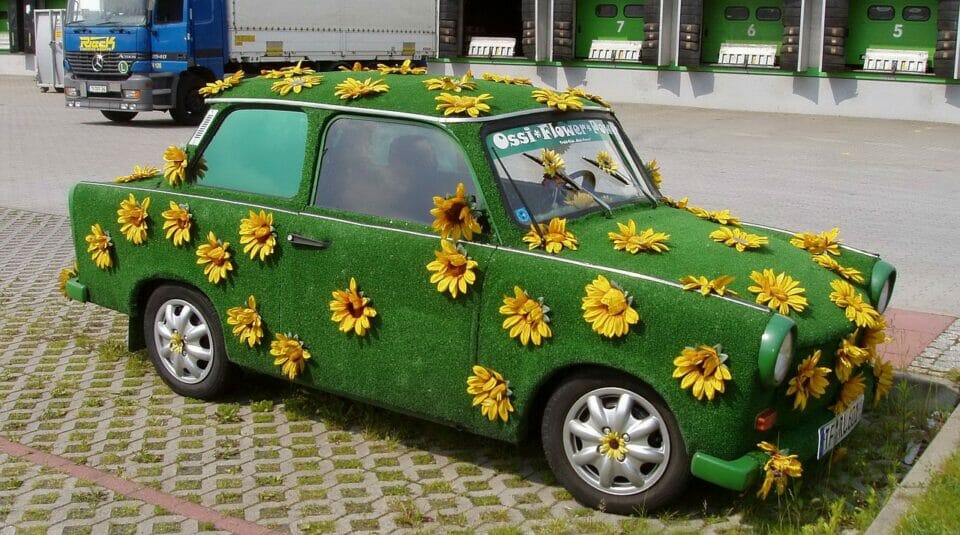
point(388, 113)
point(579, 263)
point(790, 233)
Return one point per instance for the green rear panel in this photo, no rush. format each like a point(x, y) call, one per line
point(896, 33)
point(719, 29)
point(618, 27)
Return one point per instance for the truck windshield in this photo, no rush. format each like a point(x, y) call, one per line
point(564, 168)
point(107, 12)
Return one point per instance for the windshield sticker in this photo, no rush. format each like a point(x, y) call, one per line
point(523, 216)
point(545, 135)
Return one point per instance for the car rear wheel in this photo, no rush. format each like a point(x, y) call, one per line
point(614, 444)
point(185, 342)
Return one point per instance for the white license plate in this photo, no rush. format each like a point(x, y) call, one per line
point(96, 88)
point(834, 431)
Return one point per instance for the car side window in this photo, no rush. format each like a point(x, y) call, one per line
point(388, 169)
point(257, 151)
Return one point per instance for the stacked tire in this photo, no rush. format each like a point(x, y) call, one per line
point(562, 30)
point(836, 19)
point(691, 23)
point(528, 39)
point(650, 53)
point(447, 29)
point(945, 57)
point(790, 47)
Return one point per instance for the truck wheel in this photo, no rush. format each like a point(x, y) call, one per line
point(646, 465)
point(119, 116)
point(185, 342)
point(190, 107)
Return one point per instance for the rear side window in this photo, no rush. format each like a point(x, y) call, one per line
point(633, 11)
point(916, 13)
point(257, 151)
point(881, 12)
point(606, 11)
point(736, 13)
point(768, 14)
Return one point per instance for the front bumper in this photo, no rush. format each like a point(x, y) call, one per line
point(150, 93)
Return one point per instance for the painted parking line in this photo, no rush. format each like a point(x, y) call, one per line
point(134, 490)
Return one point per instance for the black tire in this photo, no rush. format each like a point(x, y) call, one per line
point(651, 36)
point(689, 37)
point(201, 370)
point(119, 116)
point(835, 31)
point(789, 49)
point(833, 50)
point(833, 41)
point(651, 27)
point(791, 39)
point(663, 480)
point(946, 45)
point(791, 30)
point(189, 107)
point(690, 28)
point(947, 36)
point(944, 54)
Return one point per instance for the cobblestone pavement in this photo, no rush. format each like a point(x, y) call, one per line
point(941, 356)
point(68, 387)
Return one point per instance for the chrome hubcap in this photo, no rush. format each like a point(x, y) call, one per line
point(182, 339)
point(616, 441)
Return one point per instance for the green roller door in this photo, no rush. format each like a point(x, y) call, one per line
point(618, 20)
point(740, 21)
point(896, 24)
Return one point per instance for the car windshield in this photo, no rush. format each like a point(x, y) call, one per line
point(107, 12)
point(564, 168)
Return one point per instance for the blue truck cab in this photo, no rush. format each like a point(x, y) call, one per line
point(126, 56)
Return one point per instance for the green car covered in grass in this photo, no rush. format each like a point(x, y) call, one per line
point(494, 257)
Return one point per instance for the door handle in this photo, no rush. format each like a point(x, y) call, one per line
point(296, 239)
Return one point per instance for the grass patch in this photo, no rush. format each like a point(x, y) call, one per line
point(930, 513)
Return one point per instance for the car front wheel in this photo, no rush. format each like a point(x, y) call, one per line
point(614, 444)
point(185, 342)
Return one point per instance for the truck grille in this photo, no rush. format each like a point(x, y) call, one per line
point(82, 63)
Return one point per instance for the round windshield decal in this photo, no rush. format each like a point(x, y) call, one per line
point(123, 67)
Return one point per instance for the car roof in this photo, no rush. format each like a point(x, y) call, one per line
point(407, 96)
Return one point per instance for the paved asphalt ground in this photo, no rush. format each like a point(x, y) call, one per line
point(891, 186)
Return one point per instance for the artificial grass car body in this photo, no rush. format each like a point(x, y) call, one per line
point(617, 427)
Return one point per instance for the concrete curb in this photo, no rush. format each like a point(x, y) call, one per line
point(943, 445)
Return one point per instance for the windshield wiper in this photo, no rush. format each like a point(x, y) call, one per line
point(574, 186)
point(613, 174)
point(535, 225)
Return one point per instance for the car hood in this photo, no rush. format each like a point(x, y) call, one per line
point(693, 252)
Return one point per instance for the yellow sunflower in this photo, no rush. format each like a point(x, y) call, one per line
point(351, 88)
point(873, 337)
point(608, 308)
point(177, 222)
point(581, 93)
point(579, 199)
point(553, 163)
point(257, 235)
point(702, 368)
point(404, 68)
point(824, 242)
point(449, 83)
point(628, 239)
point(810, 382)
point(705, 286)
point(883, 372)
point(454, 216)
point(352, 310)
point(702, 213)
point(287, 72)
point(246, 321)
point(554, 237)
point(132, 217)
point(472, 106)
point(66, 274)
point(491, 392)
point(861, 313)
point(849, 273)
point(215, 259)
point(850, 390)
point(99, 245)
point(779, 292)
point(235, 78)
point(140, 172)
point(655, 174)
point(614, 445)
point(778, 469)
point(503, 79)
point(295, 84)
point(526, 317)
point(175, 165)
point(453, 269)
point(681, 203)
point(724, 218)
point(356, 67)
point(606, 163)
point(738, 239)
point(215, 87)
point(850, 356)
point(560, 101)
point(290, 354)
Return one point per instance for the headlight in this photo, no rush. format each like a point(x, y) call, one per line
point(776, 349)
point(881, 285)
